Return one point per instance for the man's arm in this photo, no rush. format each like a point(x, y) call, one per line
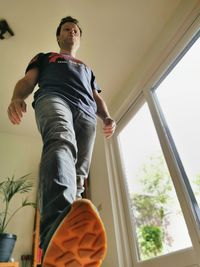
point(23, 89)
point(102, 112)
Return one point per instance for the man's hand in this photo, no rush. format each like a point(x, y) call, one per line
point(16, 109)
point(109, 127)
point(102, 112)
point(23, 88)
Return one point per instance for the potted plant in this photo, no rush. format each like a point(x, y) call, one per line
point(9, 189)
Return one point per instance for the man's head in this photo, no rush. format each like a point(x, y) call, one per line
point(68, 19)
point(68, 28)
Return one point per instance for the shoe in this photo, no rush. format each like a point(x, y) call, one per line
point(79, 240)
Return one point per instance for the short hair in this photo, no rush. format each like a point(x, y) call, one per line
point(68, 19)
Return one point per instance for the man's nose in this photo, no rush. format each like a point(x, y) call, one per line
point(72, 31)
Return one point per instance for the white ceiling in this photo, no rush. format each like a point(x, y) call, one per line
point(116, 35)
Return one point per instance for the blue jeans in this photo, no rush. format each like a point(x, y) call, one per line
point(68, 136)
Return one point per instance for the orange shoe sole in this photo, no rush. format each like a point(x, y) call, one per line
point(80, 239)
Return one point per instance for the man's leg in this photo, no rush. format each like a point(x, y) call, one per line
point(57, 186)
point(85, 130)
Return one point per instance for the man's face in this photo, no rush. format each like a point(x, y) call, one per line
point(69, 35)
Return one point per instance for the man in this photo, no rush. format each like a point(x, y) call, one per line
point(66, 105)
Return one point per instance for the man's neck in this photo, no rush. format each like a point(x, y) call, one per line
point(68, 52)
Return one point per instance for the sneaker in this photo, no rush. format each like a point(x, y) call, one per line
point(79, 240)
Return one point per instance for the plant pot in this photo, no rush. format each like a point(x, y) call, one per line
point(7, 243)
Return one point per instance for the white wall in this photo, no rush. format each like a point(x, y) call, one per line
point(147, 69)
point(20, 155)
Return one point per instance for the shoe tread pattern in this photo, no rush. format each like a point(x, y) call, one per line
point(79, 241)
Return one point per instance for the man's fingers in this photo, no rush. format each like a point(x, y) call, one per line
point(15, 111)
point(109, 128)
point(13, 116)
point(108, 133)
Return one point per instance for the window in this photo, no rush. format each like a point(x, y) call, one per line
point(161, 165)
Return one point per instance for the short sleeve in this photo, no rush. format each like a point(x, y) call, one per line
point(35, 62)
point(94, 84)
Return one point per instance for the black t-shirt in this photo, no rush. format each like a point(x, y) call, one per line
point(66, 77)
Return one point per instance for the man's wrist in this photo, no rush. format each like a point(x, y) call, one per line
point(16, 98)
point(106, 117)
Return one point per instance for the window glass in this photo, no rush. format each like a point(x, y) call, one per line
point(156, 214)
point(179, 98)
